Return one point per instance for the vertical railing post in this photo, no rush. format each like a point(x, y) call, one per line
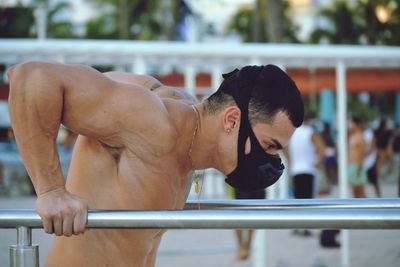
point(216, 77)
point(24, 254)
point(342, 149)
point(190, 79)
point(139, 65)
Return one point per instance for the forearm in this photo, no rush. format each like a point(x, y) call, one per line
point(36, 103)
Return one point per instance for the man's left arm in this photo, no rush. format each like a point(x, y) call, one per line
point(320, 147)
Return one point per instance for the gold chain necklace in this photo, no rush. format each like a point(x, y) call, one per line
point(197, 187)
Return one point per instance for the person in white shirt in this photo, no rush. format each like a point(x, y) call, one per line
point(305, 157)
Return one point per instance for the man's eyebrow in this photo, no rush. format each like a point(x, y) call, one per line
point(276, 142)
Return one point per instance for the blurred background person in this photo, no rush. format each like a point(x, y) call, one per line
point(305, 156)
point(396, 155)
point(357, 151)
point(370, 162)
point(245, 236)
point(385, 160)
point(330, 155)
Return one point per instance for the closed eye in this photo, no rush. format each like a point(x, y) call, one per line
point(271, 149)
point(274, 146)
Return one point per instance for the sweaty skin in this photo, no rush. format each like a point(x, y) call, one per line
point(131, 154)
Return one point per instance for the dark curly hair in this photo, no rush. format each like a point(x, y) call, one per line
point(272, 91)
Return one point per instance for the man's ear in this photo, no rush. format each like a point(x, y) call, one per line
point(231, 118)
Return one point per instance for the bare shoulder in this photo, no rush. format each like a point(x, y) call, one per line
point(152, 108)
point(177, 112)
point(177, 94)
point(134, 118)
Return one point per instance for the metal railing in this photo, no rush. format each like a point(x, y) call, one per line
point(387, 203)
point(155, 53)
point(254, 214)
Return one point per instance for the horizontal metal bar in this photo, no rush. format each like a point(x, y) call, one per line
point(250, 204)
point(94, 52)
point(323, 218)
point(197, 49)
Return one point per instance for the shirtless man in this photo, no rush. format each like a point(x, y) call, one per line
point(135, 149)
point(357, 153)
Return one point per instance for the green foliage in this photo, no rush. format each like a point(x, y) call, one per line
point(16, 22)
point(384, 33)
point(134, 19)
point(359, 23)
point(360, 109)
point(345, 27)
point(19, 22)
point(57, 28)
point(310, 104)
point(243, 22)
point(104, 27)
point(385, 103)
point(380, 104)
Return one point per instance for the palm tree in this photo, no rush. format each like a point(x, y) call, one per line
point(381, 28)
point(275, 20)
point(140, 19)
point(59, 28)
point(56, 27)
point(345, 28)
point(253, 24)
point(360, 23)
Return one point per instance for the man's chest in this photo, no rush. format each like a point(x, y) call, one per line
point(128, 180)
point(159, 184)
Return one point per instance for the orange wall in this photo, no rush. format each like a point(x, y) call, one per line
point(358, 80)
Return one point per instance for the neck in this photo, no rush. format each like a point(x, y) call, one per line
point(204, 152)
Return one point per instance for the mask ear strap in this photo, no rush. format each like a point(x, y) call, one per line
point(242, 100)
point(229, 74)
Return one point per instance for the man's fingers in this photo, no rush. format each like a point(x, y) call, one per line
point(47, 225)
point(58, 225)
point(68, 224)
point(80, 222)
point(62, 213)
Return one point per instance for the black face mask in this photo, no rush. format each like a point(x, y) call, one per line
point(258, 169)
